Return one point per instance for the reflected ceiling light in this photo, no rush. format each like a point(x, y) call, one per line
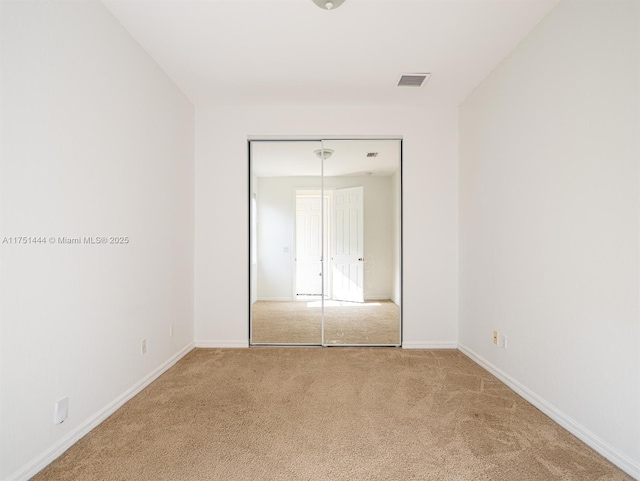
point(323, 154)
point(328, 4)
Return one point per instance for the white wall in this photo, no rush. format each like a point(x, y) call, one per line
point(396, 238)
point(549, 229)
point(276, 211)
point(430, 211)
point(276, 223)
point(96, 141)
point(254, 254)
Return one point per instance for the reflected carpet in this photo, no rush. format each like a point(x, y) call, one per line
point(300, 322)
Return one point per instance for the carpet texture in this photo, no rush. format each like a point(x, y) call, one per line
point(298, 322)
point(328, 414)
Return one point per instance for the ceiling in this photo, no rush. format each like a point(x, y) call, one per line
point(298, 158)
point(290, 52)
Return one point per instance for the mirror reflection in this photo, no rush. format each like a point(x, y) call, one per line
point(325, 242)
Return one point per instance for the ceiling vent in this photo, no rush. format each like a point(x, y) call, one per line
point(413, 79)
point(372, 154)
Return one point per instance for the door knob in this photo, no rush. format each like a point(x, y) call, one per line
point(361, 259)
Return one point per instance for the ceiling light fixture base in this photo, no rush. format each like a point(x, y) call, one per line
point(323, 154)
point(328, 4)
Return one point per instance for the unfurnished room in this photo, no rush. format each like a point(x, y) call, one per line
point(319, 240)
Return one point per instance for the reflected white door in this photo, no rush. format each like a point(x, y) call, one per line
point(348, 244)
point(309, 245)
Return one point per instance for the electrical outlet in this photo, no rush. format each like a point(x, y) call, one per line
point(495, 337)
point(61, 411)
point(170, 330)
point(143, 348)
point(503, 341)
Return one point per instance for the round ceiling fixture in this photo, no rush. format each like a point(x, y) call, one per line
point(323, 154)
point(328, 4)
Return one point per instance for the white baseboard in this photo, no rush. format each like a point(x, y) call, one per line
point(592, 440)
point(222, 344)
point(275, 298)
point(430, 345)
point(48, 456)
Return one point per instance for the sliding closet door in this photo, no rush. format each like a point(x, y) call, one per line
point(287, 240)
point(362, 179)
point(325, 242)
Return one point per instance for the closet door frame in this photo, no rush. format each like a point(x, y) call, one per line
point(251, 232)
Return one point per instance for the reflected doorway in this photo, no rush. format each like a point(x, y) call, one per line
point(325, 234)
point(311, 239)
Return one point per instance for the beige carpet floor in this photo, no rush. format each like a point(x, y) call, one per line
point(299, 322)
point(328, 414)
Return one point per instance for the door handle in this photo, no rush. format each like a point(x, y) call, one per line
point(361, 259)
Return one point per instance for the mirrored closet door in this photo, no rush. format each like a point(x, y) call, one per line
point(325, 242)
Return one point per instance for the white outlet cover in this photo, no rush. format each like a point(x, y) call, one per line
point(61, 411)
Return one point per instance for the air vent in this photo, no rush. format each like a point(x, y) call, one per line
point(413, 79)
point(372, 154)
